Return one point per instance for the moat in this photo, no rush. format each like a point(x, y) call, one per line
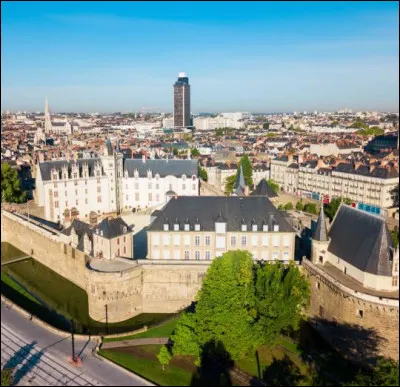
point(55, 300)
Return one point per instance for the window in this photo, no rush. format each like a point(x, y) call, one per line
point(275, 240)
point(177, 240)
point(85, 190)
point(85, 182)
point(66, 204)
point(118, 253)
point(55, 204)
point(76, 192)
point(65, 184)
point(166, 254)
point(395, 280)
point(124, 249)
point(187, 227)
point(176, 227)
point(254, 227)
point(156, 239)
point(197, 240)
point(254, 240)
point(318, 285)
point(136, 185)
point(276, 227)
point(220, 242)
point(265, 240)
point(75, 175)
point(187, 240)
point(197, 227)
point(194, 187)
point(157, 197)
point(127, 197)
point(98, 180)
point(286, 255)
point(275, 255)
point(244, 227)
point(98, 199)
point(98, 189)
point(76, 183)
point(157, 186)
point(166, 226)
point(150, 197)
point(286, 241)
point(244, 240)
point(177, 254)
point(197, 255)
point(117, 241)
point(187, 255)
point(360, 313)
point(137, 196)
point(149, 185)
point(166, 240)
point(208, 255)
point(208, 240)
point(183, 187)
point(233, 241)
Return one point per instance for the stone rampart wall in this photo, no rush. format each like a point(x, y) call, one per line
point(358, 325)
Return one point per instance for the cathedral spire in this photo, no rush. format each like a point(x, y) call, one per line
point(240, 184)
point(47, 117)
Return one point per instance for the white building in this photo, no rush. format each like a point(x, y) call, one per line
point(68, 189)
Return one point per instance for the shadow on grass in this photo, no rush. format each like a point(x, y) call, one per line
point(215, 366)
point(282, 372)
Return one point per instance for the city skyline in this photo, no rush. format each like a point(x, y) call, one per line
point(266, 57)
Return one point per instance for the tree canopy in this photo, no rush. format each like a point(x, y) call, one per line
point(247, 173)
point(373, 131)
point(10, 185)
point(273, 185)
point(229, 183)
point(385, 373)
point(242, 305)
point(331, 208)
point(195, 152)
point(203, 174)
point(164, 356)
point(266, 125)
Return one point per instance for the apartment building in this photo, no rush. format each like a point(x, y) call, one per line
point(202, 228)
point(369, 185)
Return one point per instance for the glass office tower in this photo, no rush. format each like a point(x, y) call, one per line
point(182, 101)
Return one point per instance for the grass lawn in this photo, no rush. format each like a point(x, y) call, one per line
point(163, 330)
point(149, 367)
point(16, 286)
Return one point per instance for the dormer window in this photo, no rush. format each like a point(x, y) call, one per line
point(157, 176)
point(136, 174)
point(265, 227)
point(149, 174)
point(254, 227)
point(54, 176)
point(244, 227)
point(197, 227)
point(125, 230)
point(126, 174)
point(276, 227)
point(166, 226)
point(187, 227)
point(176, 227)
point(183, 177)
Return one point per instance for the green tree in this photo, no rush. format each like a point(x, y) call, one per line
point(247, 170)
point(282, 295)
point(195, 152)
point(311, 208)
point(203, 174)
point(229, 183)
point(164, 356)
point(300, 205)
point(273, 185)
point(385, 373)
point(271, 134)
point(288, 206)
point(395, 196)
point(395, 237)
point(331, 209)
point(281, 207)
point(10, 185)
point(225, 310)
point(7, 377)
point(175, 151)
point(266, 125)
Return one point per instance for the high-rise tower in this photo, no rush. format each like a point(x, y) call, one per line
point(182, 101)
point(47, 117)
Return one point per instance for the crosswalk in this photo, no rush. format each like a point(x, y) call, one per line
point(34, 367)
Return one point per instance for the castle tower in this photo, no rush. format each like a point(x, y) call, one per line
point(47, 117)
point(320, 239)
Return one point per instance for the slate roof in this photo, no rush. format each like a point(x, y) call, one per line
point(378, 172)
point(361, 239)
point(81, 228)
point(162, 167)
point(321, 231)
point(111, 228)
point(263, 189)
point(47, 166)
point(236, 210)
point(240, 184)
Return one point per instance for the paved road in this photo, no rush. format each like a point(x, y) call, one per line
point(44, 356)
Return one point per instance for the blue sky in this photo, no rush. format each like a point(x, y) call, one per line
point(239, 56)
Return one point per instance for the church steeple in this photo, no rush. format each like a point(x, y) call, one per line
point(47, 117)
point(240, 184)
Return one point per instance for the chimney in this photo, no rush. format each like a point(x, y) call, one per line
point(143, 158)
